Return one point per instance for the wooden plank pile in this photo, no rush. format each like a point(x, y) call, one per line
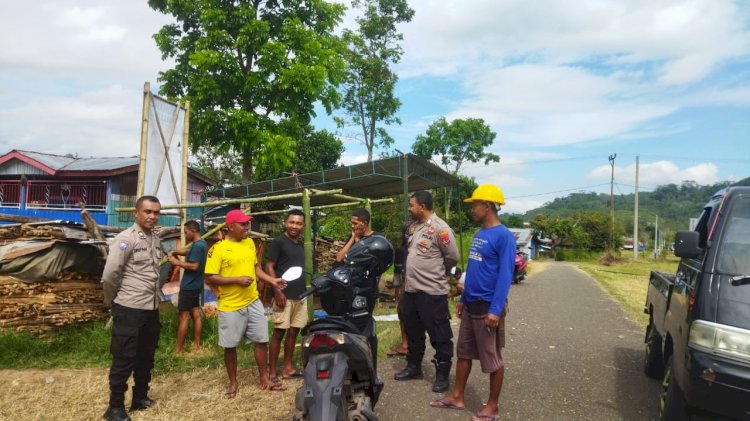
point(325, 253)
point(38, 307)
point(41, 306)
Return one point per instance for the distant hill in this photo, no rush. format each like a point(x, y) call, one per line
point(674, 204)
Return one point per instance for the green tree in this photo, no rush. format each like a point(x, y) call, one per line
point(513, 221)
point(314, 151)
point(224, 168)
point(560, 230)
point(455, 143)
point(368, 89)
point(252, 70)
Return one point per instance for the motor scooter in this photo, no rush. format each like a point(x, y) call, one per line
point(339, 351)
point(519, 273)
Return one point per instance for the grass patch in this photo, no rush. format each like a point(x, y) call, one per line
point(86, 345)
point(627, 282)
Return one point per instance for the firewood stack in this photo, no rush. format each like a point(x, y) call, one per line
point(325, 253)
point(41, 306)
point(38, 307)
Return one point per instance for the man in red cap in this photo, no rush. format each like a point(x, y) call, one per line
point(233, 267)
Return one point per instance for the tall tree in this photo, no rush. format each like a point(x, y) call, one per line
point(368, 99)
point(455, 143)
point(252, 70)
point(315, 151)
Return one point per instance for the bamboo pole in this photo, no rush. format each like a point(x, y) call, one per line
point(335, 205)
point(183, 187)
point(309, 247)
point(144, 139)
point(240, 201)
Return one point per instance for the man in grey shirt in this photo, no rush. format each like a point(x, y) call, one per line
point(131, 284)
point(432, 252)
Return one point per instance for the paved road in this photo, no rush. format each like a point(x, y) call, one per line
point(572, 354)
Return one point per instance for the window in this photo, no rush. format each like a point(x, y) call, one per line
point(54, 194)
point(10, 194)
point(734, 253)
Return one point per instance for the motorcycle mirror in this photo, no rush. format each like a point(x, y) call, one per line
point(291, 274)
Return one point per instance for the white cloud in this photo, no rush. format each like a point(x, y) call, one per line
point(557, 73)
point(659, 173)
point(351, 159)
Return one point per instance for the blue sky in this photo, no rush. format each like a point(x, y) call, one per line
point(563, 84)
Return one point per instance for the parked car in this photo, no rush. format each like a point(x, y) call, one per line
point(698, 336)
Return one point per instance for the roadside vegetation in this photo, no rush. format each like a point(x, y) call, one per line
point(627, 280)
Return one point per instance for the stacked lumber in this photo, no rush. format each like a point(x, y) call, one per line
point(38, 307)
point(325, 253)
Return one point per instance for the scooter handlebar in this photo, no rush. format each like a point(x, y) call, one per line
point(307, 292)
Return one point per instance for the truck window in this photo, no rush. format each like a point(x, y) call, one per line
point(734, 252)
point(702, 228)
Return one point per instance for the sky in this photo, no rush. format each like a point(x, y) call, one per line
point(565, 85)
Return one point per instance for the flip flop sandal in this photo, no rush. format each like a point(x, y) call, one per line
point(478, 416)
point(230, 394)
point(395, 353)
point(442, 404)
point(298, 373)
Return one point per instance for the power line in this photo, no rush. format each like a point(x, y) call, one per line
point(541, 161)
point(558, 191)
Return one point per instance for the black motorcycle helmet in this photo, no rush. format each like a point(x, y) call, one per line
point(374, 252)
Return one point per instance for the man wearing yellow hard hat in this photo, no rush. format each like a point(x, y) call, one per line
point(489, 273)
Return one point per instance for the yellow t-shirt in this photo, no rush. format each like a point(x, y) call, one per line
point(232, 259)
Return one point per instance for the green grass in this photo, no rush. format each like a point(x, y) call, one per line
point(86, 345)
point(628, 282)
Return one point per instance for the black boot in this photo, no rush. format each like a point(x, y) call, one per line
point(116, 414)
point(412, 371)
point(442, 371)
point(140, 404)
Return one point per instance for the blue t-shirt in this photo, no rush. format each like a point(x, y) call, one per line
point(193, 279)
point(489, 272)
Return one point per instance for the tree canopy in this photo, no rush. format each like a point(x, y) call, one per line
point(457, 142)
point(252, 71)
point(368, 99)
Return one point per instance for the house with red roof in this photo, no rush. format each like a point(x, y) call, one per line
point(49, 186)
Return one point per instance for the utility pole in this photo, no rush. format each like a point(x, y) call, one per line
point(635, 215)
point(656, 237)
point(612, 204)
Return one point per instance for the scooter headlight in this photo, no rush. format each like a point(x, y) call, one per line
point(359, 303)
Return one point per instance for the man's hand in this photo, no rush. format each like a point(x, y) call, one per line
point(173, 260)
point(491, 320)
point(244, 281)
point(279, 284)
point(459, 309)
point(280, 299)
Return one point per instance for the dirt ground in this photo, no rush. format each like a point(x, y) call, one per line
point(82, 394)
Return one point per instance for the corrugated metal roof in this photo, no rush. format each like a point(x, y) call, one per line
point(100, 164)
point(53, 161)
point(375, 179)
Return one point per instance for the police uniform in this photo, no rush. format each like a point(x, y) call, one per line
point(131, 287)
point(431, 253)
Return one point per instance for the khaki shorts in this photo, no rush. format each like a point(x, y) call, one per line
point(478, 342)
point(294, 314)
point(249, 323)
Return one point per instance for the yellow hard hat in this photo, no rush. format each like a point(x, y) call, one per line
point(487, 193)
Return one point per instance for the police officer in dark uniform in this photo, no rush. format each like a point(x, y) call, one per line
point(131, 287)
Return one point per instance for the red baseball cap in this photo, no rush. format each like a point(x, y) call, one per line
point(238, 216)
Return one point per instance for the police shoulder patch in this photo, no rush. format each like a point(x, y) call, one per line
point(444, 237)
point(123, 245)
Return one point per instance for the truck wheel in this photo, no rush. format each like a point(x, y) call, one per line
point(654, 362)
point(672, 405)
